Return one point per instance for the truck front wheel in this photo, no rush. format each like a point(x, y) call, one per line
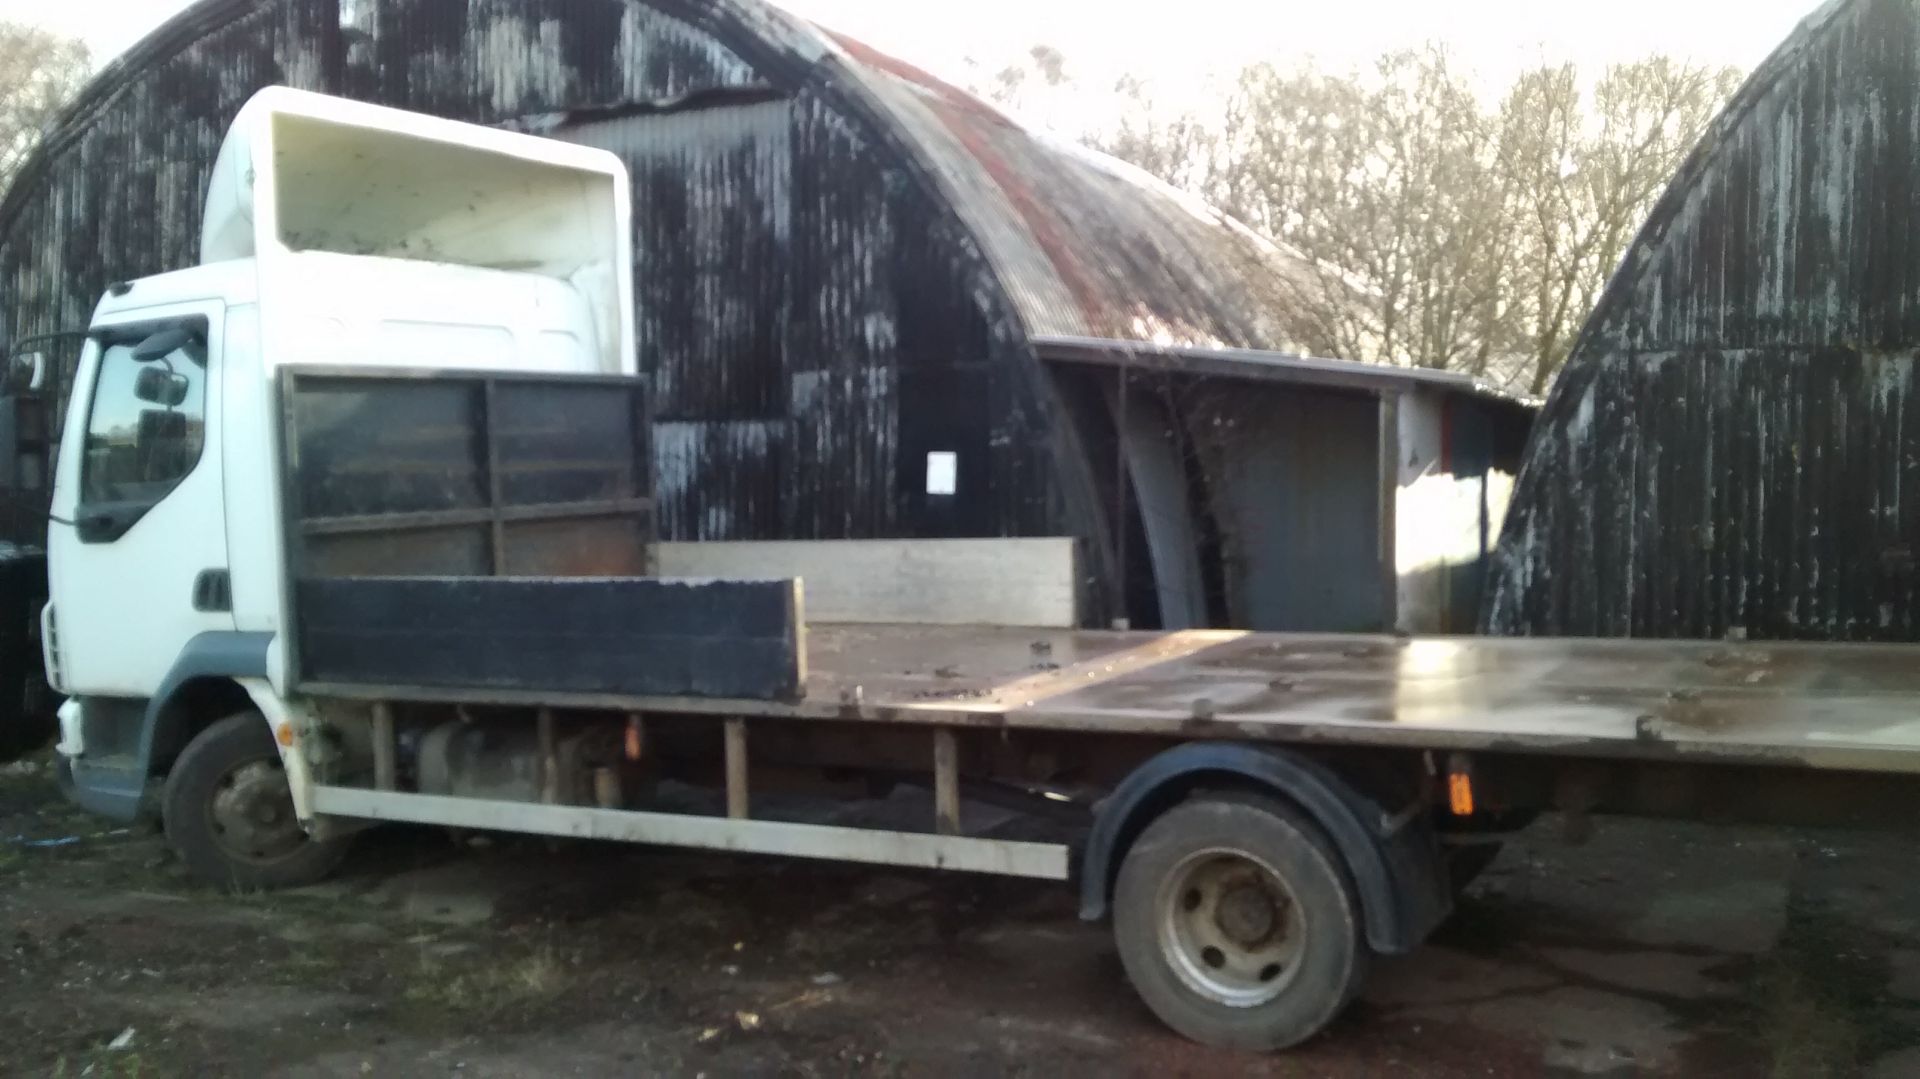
point(229, 814)
point(1236, 923)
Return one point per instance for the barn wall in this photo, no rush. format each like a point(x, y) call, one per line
point(489, 61)
point(1293, 478)
point(814, 319)
point(1735, 446)
point(811, 337)
point(121, 196)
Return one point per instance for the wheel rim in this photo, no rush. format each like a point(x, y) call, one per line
point(1231, 928)
point(251, 815)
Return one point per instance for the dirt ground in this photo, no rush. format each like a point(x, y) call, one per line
point(1652, 950)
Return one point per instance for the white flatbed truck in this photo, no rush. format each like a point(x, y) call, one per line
point(351, 524)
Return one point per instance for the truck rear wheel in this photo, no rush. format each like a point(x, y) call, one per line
point(1236, 923)
point(229, 814)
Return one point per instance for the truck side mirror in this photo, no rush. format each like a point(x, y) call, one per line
point(26, 373)
point(160, 386)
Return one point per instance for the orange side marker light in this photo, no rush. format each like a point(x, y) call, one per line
point(1460, 794)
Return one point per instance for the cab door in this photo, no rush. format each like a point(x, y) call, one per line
point(137, 553)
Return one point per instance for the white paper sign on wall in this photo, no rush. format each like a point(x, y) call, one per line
point(943, 472)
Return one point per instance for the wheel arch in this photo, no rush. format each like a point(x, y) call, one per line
point(1391, 857)
point(202, 687)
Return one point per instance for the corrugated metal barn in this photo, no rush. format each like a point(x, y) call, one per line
point(1735, 443)
point(846, 269)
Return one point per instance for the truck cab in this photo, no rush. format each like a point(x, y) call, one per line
point(336, 234)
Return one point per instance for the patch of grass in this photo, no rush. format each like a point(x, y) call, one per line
point(485, 988)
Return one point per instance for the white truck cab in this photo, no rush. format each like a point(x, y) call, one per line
point(339, 234)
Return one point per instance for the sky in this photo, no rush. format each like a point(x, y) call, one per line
point(1180, 46)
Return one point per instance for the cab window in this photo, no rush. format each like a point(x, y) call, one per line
point(147, 423)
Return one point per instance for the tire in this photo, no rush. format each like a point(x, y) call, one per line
point(1237, 925)
point(229, 816)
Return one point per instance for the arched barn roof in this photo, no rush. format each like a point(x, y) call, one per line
point(1080, 237)
point(1734, 446)
point(1083, 244)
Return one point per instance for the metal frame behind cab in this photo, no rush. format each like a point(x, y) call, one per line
point(292, 530)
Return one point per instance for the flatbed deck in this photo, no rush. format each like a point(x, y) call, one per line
point(1829, 706)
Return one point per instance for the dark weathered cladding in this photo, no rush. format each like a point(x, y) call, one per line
point(840, 260)
point(813, 324)
point(814, 315)
point(711, 228)
point(494, 60)
point(969, 385)
point(116, 191)
point(710, 149)
point(1735, 443)
point(841, 331)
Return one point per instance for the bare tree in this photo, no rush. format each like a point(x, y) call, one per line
point(39, 72)
point(1177, 147)
point(1385, 183)
point(1580, 174)
point(1438, 230)
point(1041, 67)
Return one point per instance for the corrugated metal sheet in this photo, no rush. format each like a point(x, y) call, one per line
point(713, 224)
point(1089, 246)
point(491, 61)
point(841, 261)
point(815, 316)
point(1735, 443)
point(1293, 481)
point(115, 192)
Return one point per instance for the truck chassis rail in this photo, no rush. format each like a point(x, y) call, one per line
point(1043, 861)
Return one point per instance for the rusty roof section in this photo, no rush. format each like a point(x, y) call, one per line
point(1087, 245)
